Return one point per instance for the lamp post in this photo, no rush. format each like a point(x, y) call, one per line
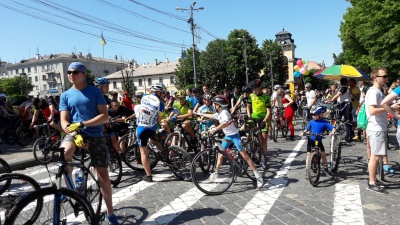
point(192, 25)
point(245, 57)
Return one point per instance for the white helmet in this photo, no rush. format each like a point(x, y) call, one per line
point(158, 87)
point(276, 87)
point(308, 85)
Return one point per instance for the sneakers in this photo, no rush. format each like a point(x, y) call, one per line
point(147, 178)
point(376, 188)
point(356, 138)
point(213, 177)
point(388, 168)
point(260, 182)
point(111, 219)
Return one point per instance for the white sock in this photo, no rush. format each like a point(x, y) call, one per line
point(256, 173)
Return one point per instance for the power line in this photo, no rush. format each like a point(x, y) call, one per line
point(159, 11)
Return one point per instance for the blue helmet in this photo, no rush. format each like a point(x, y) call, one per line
point(101, 81)
point(318, 110)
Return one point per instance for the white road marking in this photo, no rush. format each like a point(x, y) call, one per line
point(347, 207)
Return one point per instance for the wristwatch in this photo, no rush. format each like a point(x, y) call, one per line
point(82, 125)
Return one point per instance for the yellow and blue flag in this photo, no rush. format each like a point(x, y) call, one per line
point(102, 41)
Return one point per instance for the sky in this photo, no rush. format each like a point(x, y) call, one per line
point(145, 30)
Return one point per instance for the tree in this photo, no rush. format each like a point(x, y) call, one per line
point(273, 53)
point(184, 73)
point(127, 80)
point(16, 85)
point(370, 33)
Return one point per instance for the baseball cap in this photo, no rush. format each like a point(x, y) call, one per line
point(126, 93)
point(3, 95)
point(77, 66)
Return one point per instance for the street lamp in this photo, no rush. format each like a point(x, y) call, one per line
point(245, 57)
point(192, 25)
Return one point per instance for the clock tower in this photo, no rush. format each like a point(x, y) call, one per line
point(284, 38)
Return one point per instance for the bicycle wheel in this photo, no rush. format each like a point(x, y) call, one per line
point(340, 128)
point(41, 153)
point(275, 130)
point(24, 136)
point(213, 183)
point(255, 152)
point(179, 162)
point(115, 167)
point(4, 167)
point(314, 169)
point(336, 151)
point(14, 187)
point(380, 171)
point(92, 190)
point(175, 139)
point(285, 129)
point(133, 158)
point(9, 135)
point(75, 210)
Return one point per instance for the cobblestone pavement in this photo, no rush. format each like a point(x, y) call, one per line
point(286, 198)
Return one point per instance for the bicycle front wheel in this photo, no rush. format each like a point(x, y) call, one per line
point(213, 182)
point(179, 162)
point(314, 169)
point(4, 167)
point(41, 153)
point(255, 152)
point(275, 130)
point(24, 136)
point(115, 167)
point(73, 210)
point(92, 190)
point(336, 151)
point(285, 129)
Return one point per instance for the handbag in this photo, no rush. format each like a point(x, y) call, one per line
point(294, 106)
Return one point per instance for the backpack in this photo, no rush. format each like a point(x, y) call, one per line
point(294, 106)
point(362, 119)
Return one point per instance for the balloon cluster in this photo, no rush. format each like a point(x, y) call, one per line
point(301, 67)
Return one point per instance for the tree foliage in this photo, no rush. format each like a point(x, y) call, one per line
point(369, 33)
point(273, 53)
point(16, 85)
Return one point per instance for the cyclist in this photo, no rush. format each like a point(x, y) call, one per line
point(103, 84)
point(147, 117)
point(83, 108)
point(207, 108)
point(42, 111)
point(311, 98)
point(120, 113)
point(54, 113)
point(242, 102)
point(183, 109)
point(259, 109)
point(317, 126)
point(220, 103)
point(289, 112)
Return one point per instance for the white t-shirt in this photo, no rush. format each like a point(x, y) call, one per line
point(224, 117)
point(310, 96)
point(345, 96)
point(361, 97)
point(376, 122)
point(148, 110)
point(278, 99)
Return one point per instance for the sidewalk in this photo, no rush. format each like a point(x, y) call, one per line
point(18, 157)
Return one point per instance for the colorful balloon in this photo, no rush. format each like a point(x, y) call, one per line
point(300, 63)
point(307, 72)
point(304, 62)
point(296, 68)
point(302, 70)
point(296, 74)
point(306, 66)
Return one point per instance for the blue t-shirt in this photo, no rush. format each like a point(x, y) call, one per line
point(318, 127)
point(82, 106)
point(192, 100)
point(397, 91)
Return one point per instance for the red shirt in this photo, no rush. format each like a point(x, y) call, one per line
point(127, 101)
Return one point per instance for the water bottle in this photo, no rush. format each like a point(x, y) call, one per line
point(79, 181)
point(231, 153)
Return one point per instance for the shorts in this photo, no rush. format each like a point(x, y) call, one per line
point(97, 149)
point(353, 113)
point(143, 135)
point(266, 128)
point(378, 142)
point(311, 144)
point(235, 139)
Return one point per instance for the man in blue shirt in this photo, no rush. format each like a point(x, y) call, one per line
point(83, 111)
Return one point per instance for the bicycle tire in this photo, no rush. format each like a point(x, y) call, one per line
point(9, 135)
point(132, 158)
point(175, 139)
point(179, 162)
point(275, 131)
point(74, 200)
point(226, 173)
point(115, 166)
point(285, 129)
point(4, 166)
point(255, 152)
point(40, 153)
point(380, 171)
point(24, 136)
point(314, 169)
point(19, 190)
point(92, 190)
point(335, 154)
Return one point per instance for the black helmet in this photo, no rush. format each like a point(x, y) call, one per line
point(255, 83)
point(246, 89)
point(220, 100)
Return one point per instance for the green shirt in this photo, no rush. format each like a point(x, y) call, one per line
point(183, 109)
point(259, 105)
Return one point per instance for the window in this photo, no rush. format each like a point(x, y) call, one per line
point(22, 70)
point(149, 81)
point(44, 87)
point(114, 84)
point(29, 69)
point(140, 82)
point(37, 87)
point(43, 68)
point(35, 69)
point(44, 77)
point(36, 78)
point(160, 80)
point(171, 79)
point(30, 79)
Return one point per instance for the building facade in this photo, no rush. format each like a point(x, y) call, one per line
point(48, 74)
point(141, 77)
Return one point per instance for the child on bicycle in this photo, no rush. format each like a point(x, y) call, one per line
point(220, 103)
point(317, 126)
point(206, 108)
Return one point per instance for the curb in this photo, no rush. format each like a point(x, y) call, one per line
point(23, 164)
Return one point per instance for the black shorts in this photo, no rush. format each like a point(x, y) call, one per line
point(311, 144)
point(143, 136)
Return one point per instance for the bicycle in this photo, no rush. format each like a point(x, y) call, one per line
point(4, 166)
point(115, 163)
point(65, 204)
point(229, 169)
point(335, 152)
point(41, 147)
point(314, 161)
point(13, 188)
point(279, 123)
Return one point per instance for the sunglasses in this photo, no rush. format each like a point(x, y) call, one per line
point(73, 72)
point(384, 76)
point(115, 105)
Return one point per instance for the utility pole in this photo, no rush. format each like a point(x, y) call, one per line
point(192, 26)
point(245, 58)
point(272, 74)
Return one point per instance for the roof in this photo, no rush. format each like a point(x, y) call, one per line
point(283, 32)
point(148, 69)
point(314, 66)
